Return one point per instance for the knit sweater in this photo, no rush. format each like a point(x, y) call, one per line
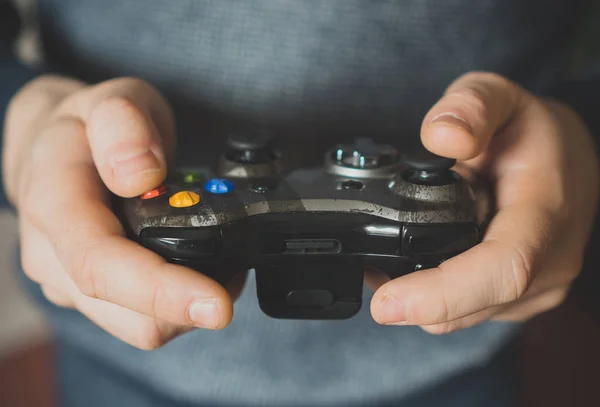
point(316, 71)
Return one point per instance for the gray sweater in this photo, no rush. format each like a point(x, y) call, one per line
point(317, 71)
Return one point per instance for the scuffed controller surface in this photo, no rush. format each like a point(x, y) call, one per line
point(310, 233)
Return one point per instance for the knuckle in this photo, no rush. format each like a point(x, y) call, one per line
point(49, 143)
point(576, 266)
point(28, 207)
point(43, 150)
point(572, 273)
point(151, 342)
point(556, 298)
point(18, 188)
point(430, 309)
point(440, 329)
point(155, 299)
point(57, 298)
point(83, 273)
point(80, 248)
point(150, 337)
point(473, 98)
point(121, 104)
point(488, 77)
point(443, 310)
point(518, 278)
point(481, 88)
point(133, 83)
point(118, 83)
point(31, 267)
point(134, 93)
point(126, 87)
point(32, 264)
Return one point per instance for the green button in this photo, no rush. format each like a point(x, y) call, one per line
point(193, 178)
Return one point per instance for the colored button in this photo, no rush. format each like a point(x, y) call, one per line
point(184, 199)
point(219, 186)
point(192, 178)
point(161, 190)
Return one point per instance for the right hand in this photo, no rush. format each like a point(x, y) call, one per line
point(65, 143)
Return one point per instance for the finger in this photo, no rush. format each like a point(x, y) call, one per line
point(495, 272)
point(237, 285)
point(138, 330)
point(131, 327)
point(461, 124)
point(502, 267)
point(375, 278)
point(519, 311)
point(40, 264)
point(534, 306)
point(130, 131)
point(548, 291)
point(57, 297)
point(37, 256)
point(35, 101)
point(89, 242)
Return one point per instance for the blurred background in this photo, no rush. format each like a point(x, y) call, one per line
point(560, 353)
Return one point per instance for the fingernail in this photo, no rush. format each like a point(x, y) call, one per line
point(391, 310)
point(205, 314)
point(451, 120)
point(134, 162)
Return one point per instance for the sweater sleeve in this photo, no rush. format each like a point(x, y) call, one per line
point(582, 89)
point(583, 95)
point(13, 74)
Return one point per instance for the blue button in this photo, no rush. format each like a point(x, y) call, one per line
point(219, 186)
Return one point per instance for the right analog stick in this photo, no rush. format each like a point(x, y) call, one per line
point(426, 168)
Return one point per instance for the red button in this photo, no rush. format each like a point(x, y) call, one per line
point(161, 190)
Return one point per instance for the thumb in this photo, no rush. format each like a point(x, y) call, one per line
point(461, 124)
point(130, 131)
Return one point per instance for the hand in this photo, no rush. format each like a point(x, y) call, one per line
point(65, 144)
point(542, 163)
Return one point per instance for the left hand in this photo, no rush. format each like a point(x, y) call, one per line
point(543, 166)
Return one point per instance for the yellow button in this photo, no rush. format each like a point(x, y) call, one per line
point(184, 199)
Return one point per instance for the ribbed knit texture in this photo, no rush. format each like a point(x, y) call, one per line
point(311, 68)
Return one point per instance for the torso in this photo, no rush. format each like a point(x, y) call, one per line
point(317, 71)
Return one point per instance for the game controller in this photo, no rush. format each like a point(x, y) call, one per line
point(311, 233)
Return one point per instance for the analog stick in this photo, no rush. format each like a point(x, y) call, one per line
point(250, 147)
point(426, 168)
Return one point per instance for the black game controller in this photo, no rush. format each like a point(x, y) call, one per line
point(311, 233)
